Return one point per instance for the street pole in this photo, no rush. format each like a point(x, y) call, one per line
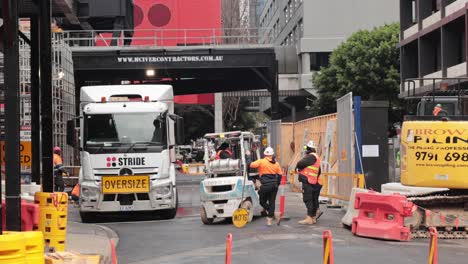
point(12, 115)
point(275, 115)
point(45, 40)
point(35, 102)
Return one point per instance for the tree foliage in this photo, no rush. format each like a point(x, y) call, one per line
point(234, 117)
point(367, 64)
point(199, 120)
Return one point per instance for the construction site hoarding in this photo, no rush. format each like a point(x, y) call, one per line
point(63, 99)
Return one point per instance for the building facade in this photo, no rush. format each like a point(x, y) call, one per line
point(432, 42)
point(317, 27)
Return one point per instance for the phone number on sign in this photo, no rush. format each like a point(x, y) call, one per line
point(450, 156)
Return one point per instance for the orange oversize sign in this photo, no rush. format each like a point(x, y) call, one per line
point(25, 152)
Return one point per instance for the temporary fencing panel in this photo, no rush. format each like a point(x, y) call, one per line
point(345, 142)
point(293, 137)
point(274, 136)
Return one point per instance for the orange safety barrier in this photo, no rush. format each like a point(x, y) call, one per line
point(433, 246)
point(113, 254)
point(328, 247)
point(29, 216)
point(228, 249)
point(282, 195)
point(382, 216)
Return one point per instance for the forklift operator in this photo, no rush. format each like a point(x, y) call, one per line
point(439, 111)
point(224, 152)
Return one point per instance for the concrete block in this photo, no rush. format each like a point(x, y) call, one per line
point(351, 212)
point(396, 187)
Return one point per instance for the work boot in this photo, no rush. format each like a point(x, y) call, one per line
point(269, 221)
point(317, 215)
point(278, 218)
point(307, 221)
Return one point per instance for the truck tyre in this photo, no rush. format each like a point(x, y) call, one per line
point(249, 207)
point(87, 217)
point(204, 217)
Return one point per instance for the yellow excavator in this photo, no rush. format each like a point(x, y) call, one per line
point(434, 159)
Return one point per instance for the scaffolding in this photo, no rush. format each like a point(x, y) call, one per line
point(63, 95)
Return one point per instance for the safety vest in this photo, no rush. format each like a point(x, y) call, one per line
point(436, 111)
point(57, 160)
point(312, 172)
point(218, 154)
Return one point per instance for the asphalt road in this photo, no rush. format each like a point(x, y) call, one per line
point(186, 240)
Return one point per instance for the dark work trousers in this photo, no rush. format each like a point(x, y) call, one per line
point(310, 196)
point(267, 195)
point(59, 183)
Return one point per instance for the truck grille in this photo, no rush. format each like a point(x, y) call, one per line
point(126, 199)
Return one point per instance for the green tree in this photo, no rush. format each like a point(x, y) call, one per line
point(367, 64)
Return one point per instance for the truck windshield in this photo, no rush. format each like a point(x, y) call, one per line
point(132, 128)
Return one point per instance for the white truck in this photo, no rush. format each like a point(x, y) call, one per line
point(127, 138)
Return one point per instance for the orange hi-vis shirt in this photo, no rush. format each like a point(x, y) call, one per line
point(265, 166)
point(57, 160)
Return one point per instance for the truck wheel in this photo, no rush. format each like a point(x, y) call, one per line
point(171, 213)
point(87, 217)
point(249, 207)
point(204, 217)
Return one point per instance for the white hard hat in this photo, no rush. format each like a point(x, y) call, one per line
point(269, 151)
point(311, 144)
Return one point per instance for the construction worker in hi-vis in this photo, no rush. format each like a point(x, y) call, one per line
point(309, 175)
point(270, 173)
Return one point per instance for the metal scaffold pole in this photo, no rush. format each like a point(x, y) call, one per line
point(12, 115)
point(46, 95)
point(35, 102)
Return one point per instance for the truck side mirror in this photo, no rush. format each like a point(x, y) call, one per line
point(71, 139)
point(180, 135)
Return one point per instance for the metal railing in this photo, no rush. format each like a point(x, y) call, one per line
point(163, 37)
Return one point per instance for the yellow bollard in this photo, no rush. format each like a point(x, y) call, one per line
point(53, 210)
point(34, 247)
point(12, 248)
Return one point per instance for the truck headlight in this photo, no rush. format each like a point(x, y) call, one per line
point(163, 190)
point(86, 192)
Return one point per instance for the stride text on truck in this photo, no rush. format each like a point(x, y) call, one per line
point(127, 139)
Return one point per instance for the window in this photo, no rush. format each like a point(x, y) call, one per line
point(277, 28)
point(286, 14)
point(319, 59)
point(301, 28)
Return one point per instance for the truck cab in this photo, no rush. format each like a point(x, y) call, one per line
point(451, 104)
point(127, 139)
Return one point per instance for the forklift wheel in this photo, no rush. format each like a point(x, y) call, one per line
point(249, 207)
point(204, 218)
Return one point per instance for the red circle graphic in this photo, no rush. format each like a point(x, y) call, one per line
point(138, 15)
point(159, 15)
